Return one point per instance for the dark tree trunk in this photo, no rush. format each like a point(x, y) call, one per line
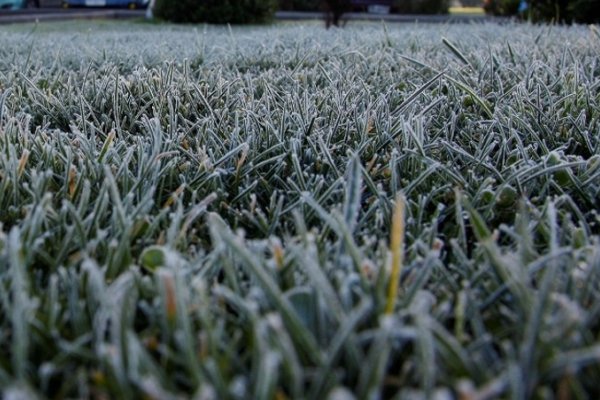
point(334, 10)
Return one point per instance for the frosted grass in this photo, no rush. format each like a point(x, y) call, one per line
point(208, 211)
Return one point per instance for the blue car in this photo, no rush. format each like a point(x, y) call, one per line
point(18, 4)
point(131, 4)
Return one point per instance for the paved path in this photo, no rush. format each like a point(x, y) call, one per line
point(58, 14)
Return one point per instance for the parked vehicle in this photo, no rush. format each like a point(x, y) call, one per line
point(131, 4)
point(372, 6)
point(18, 4)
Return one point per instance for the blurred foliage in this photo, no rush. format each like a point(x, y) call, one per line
point(562, 11)
point(216, 11)
point(587, 11)
point(300, 5)
point(501, 7)
point(421, 6)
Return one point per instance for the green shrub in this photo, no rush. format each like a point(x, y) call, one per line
point(300, 5)
point(421, 6)
point(587, 11)
point(501, 7)
point(562, 11)
point(548, 10)
point(216, 11)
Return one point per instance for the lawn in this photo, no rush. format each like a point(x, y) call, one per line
point(377, 211)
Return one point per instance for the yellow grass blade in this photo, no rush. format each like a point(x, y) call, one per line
point(397, 250)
